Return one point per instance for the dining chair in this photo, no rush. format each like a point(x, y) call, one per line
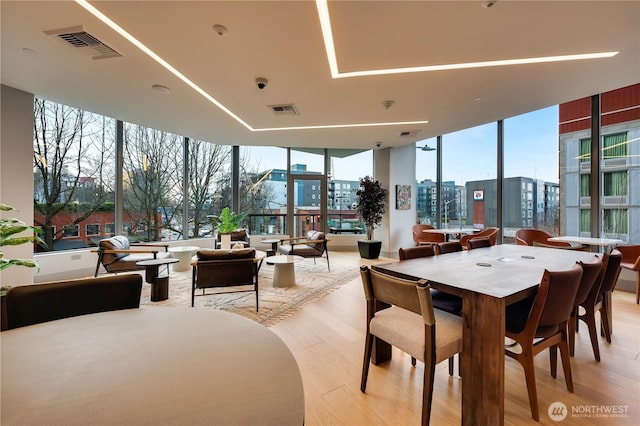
point(422, 238)
point(601, 302)
point(400, 313)
point(541, 322)
point(592, 274)
point(440, 300)
point(631, 261)
point(37, 303)
point(492, 233)
point(479, 243)
point(449, 247)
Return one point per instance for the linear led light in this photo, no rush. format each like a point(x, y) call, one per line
point(327, 34)
point(117, 28)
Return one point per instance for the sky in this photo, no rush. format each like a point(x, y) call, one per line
point(531, 150)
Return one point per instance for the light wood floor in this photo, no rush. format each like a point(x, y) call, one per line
point(327, 340)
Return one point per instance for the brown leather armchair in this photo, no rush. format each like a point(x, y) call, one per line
point(225, 268)
point(424, 238)
point(491, 233)
point(116, 254)
point(631, 261)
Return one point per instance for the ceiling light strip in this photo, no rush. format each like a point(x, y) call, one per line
point(327, 34)
point(106, 20)
point(342, 126)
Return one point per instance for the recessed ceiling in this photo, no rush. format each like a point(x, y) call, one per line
point(283, 43)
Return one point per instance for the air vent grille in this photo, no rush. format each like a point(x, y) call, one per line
point(85, 42)
point(408, 133)
point(285, 109)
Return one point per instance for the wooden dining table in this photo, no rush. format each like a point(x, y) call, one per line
point(155, 366)
point(488, 279)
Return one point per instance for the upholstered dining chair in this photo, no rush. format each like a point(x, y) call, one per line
point(601, 301)
point(481, 242)
point(37, 303)
point(410, 324)
point(440, 300)
point(422, 238)
point(527, 237)
point(449, 247)
point(592, 274)
point(492, 233)
point(631, 261)
point(541, 323)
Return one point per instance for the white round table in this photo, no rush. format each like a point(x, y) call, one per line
point(155, 366)
point(284, 274)
point(184, 255)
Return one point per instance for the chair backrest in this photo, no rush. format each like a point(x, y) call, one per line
point(225, 268)
point(591, 273)
point(405, 253)
point(389, 289)
point(491, 233)
point(237, 235)
point(33, 304)
point(117, 242)
point(475, 243)
point(612, 272)
point(527, 237)
point(449, 247)
point(555, 300)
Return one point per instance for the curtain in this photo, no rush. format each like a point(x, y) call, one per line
point(614, 221)
point(585, 185)
point(585, 150)
point(615, 146)
point(615, 184)
point(585, 220)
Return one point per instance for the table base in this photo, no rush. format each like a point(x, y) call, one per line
point(284, 275)
point(160, 288)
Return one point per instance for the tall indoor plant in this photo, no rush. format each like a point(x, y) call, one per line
point(370, 200)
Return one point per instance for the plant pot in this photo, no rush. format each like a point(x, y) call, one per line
point(225, 241)
point(369, 249)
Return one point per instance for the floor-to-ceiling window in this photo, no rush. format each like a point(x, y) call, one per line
point(426, 182)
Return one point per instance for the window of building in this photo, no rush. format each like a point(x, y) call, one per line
point(585, 221)
point(92, 229)
point(615, 184)
point(615, 221)
point(70, 231)
point(585, 185)
point(585, 150)
point(109, 229)
point(615, 146)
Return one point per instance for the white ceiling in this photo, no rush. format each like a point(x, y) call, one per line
point(283, 42)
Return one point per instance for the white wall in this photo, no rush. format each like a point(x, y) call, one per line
point(16, 174)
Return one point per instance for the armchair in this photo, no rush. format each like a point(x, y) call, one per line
point(425, 238)
point(631, 261)
point(313, 245)
point(225, 268)
point(239, 236)
point(491, 233)
point(115, 254)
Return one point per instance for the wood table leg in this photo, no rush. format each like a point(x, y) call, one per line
point(483, 360)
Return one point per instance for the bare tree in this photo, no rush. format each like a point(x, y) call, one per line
point(207, 164)
point(152, 186)
point(69, 157)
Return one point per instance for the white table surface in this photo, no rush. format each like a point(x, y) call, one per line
point(183, 254)
point(451, 231)
point(155, 366)
point(588, 241)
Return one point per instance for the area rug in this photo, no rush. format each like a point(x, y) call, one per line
point(312, 282)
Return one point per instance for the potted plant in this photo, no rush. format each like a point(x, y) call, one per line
point(370, 199)
point(227, 223)
point(9, 228)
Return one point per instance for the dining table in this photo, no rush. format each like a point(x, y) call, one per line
point(448, 232)
point(488, 279)
point(154, 366)
point(601, 244)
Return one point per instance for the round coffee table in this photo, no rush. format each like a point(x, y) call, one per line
point(284, 274)
point(184, 255)
point(159, 283)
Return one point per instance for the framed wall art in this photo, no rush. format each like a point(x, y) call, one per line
point(403, 197)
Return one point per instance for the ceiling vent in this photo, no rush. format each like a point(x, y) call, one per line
point(287, 109)
point(84, 42)
point(409, 133)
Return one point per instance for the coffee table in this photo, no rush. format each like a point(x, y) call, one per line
point(274, 246)
point(184, 255)
point(284, 274)
point(159, 283)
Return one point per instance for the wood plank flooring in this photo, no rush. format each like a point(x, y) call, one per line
point(327, 340)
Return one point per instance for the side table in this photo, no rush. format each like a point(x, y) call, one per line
point(284, 274)
point(159, 283)
point(274, 246)
point(184, 255)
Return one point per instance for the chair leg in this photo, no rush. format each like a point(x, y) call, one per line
point(589, 319)
point(526, 360)
point(637, 287)
point(451, 366)
point(566, 365)
point(604, 320)
point(553, 360)
point(368, 346)
point(573, 328)
point(427, 391)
